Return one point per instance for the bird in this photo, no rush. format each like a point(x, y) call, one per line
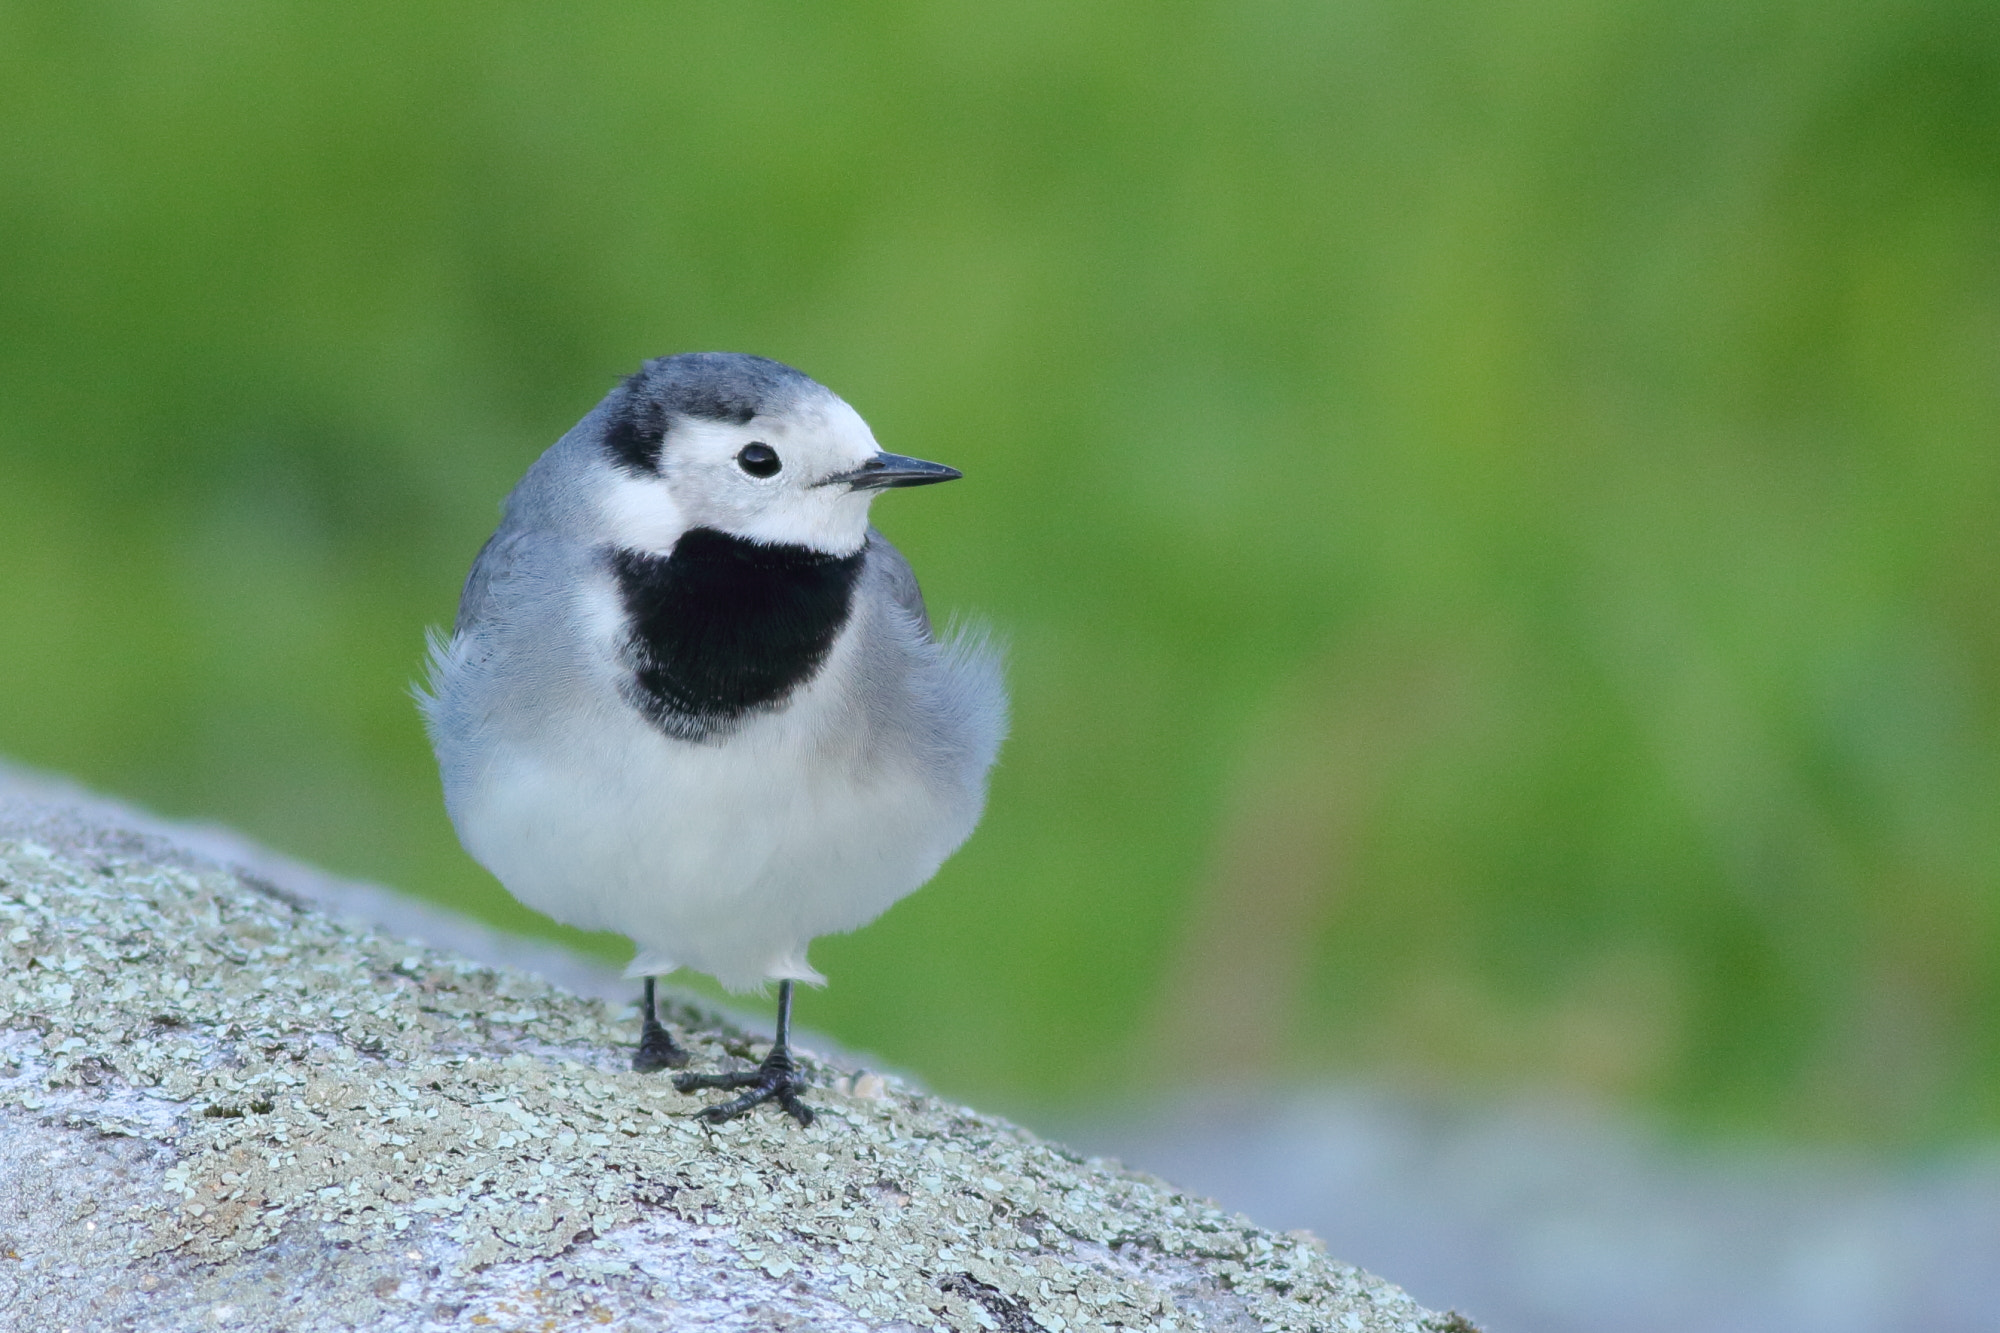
point(692, 696)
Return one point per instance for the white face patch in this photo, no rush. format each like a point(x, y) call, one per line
point(705, 484)
point(640, 514)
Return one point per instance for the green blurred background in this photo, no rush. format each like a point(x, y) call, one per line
point(1493, 504)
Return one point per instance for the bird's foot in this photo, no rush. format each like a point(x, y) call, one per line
point(656, 1050)
point(778, 1080)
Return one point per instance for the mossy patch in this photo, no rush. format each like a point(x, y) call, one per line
point(325, 1085)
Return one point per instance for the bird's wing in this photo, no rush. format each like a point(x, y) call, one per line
point(900, 578)
point(494, 567)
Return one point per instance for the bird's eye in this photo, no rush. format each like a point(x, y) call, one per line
point(759, 460)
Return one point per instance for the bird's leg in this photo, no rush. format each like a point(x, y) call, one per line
point(656, 1046)
point(776, 1080)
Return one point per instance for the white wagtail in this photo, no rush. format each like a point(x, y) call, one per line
point(692, 697)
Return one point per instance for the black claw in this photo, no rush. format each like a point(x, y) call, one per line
point(657, 1051)
point(776, 1080)
point(656, 1046)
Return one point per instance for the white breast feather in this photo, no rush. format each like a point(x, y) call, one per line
point(727, 858)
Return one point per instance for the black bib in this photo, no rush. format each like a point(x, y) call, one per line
point(723, 626)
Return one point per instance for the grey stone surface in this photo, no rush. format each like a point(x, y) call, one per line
point(222, 1107)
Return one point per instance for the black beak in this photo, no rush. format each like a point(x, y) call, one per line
point(885, 470)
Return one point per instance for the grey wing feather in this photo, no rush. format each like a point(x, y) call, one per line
point(494, 564)
point(901, 579)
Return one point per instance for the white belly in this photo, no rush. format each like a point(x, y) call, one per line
point(728, 858)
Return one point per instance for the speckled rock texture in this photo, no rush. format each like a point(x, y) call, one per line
point(221, 1108)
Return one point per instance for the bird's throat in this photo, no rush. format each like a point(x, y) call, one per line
point(721, 626)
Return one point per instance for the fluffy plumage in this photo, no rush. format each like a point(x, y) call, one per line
point(702, 705)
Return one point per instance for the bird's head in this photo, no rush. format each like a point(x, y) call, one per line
point(746, 446)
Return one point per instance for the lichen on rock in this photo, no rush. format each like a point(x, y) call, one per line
point(228, 1108)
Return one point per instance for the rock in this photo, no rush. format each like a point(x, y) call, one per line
point(225, 1108)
